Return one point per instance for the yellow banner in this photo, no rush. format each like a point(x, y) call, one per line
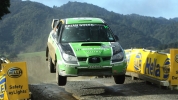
point(2, 86)
point(155, 63)
point(174, 67)
point(16, 80)
point(147, 62)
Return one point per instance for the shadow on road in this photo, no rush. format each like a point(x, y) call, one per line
point(47, 91)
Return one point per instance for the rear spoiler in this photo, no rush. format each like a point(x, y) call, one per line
point(54, 22)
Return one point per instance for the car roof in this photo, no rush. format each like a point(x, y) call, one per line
point(83, 20)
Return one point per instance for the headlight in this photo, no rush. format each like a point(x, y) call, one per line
point(69, 58)
point(118, 57)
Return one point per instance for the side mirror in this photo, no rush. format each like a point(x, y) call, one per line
point(116, 37)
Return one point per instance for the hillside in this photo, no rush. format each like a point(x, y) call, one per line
point(27, 27)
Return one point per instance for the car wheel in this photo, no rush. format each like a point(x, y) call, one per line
point(31, 97)
point(51, 65)
point(61, 80)
point(119, 79)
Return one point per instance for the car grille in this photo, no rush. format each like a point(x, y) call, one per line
point(106, 58)
point(82, 58)
point(94, 59)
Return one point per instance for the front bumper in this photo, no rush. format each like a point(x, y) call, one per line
point(76, 70)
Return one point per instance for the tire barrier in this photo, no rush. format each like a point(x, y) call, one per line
point(14, 81)
point(153, 66)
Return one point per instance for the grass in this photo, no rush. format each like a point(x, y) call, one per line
point(33, 54)
point(37, 67)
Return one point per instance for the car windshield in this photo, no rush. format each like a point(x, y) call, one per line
point(86, 33)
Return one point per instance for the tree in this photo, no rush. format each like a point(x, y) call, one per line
point(4, 5)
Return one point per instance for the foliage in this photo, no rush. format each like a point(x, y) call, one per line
point(4, 5)
point(28, 25)
point(170, 45)
point(12, 55)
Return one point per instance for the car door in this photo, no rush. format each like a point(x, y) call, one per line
point(55, 40)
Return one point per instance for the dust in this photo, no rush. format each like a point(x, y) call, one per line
point(37, 70)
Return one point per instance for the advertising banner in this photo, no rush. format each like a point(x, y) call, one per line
point(174, 67)
point(3, 94)
point(16, 80)
point(149, 63)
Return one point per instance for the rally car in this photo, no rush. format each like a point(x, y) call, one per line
point(84, 46)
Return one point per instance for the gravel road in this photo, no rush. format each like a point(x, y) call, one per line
point(43, 87)
point(89, 88)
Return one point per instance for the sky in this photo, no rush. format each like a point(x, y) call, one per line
point(152, 8)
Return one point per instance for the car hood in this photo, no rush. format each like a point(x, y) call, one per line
point(91, 48)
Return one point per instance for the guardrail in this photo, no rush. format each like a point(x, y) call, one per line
point(153, 66)
point(13, 81)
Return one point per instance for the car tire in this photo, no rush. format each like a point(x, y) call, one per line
point(51, 65)
point(61, 80)
point(31, 97)
point(119, 79)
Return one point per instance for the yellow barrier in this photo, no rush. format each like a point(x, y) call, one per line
point(14, 81)
point(174, 67)
point(152, 66)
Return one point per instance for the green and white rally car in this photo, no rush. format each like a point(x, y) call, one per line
point(84, 47)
